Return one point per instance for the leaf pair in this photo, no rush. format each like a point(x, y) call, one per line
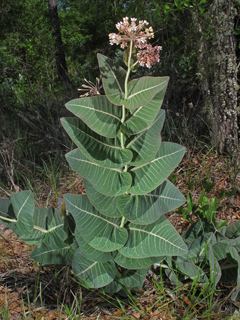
point(42, 227)
point(140, 91)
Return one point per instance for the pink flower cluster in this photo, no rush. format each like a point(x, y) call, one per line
point(139, 33)
point(131, 31)
point(149, 55)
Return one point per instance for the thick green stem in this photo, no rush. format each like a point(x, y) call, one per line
point(128, 70)
point(124, 109)
point(122, 120)
point(126, 90)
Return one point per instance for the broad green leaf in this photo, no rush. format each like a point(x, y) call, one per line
point(23, 207)
point(145, 145)
point(42, 221)
point(170, 272)
point(6, 212)
point(220, 249)
point(106, 205)
point(93, 274)
point(4, 206)
point(104, 151)
point(46, 221)
point(195, 247)
point(144, 116)
point(193, 232)
point(109, 181)
point(133, 279)
point(141, 91)
point(139, 209)
point(148, 176)
point(190, 269)
point(235, 256)
point(233, 230)
point(98, 114)
point(113, 77)
point(112, 288)
point(92, 254)
point(215, 269)
point(154, 240)
point(47, 255)
point(133, 264)
point(146, 209)
point(52, 248)
point(101, 233)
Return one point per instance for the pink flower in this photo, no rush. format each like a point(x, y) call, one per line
point(137, 32)
point(149, 55)
point(131, 31)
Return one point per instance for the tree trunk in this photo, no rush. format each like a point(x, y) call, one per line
point(61, 64)
point(222, 76)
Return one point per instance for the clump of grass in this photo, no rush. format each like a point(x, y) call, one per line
point(4, 313)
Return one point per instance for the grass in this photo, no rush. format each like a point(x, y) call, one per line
point(4, 313)
point(159, 300)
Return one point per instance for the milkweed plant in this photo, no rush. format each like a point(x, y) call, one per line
point(112, 234)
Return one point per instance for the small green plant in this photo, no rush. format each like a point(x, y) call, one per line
point(4, 313)
point(214, 248)
point(205, 209)
point(112, 234)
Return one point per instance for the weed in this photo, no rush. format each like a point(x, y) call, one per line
point(4, 313)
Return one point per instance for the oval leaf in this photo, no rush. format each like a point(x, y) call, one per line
point(101, 150)
point(141, 91)
point(158, 239)
point(23, 206)
point(92, 254)
point(133, 264)
point(109, 181)
point(148, 176)
point(113, 77)
point(106, 205)
point(93, 274)
point(98, 114)
point(145, 145)
point(144, 116)
point(101, 233)
point(146, 209)
point(133, 279)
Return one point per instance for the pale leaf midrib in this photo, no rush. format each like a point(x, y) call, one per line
point(96, 110)
point(114, 76)
point(142, 132)
point(92, 214)
point(144, 90)
point(94, 164)
point(35, 227)
point(88, 268)
point(157, 236)
point(159, 158)
point(8, 219)
point(49, 251)
point(47, 230)
point(21, 208)
point(99, 141)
